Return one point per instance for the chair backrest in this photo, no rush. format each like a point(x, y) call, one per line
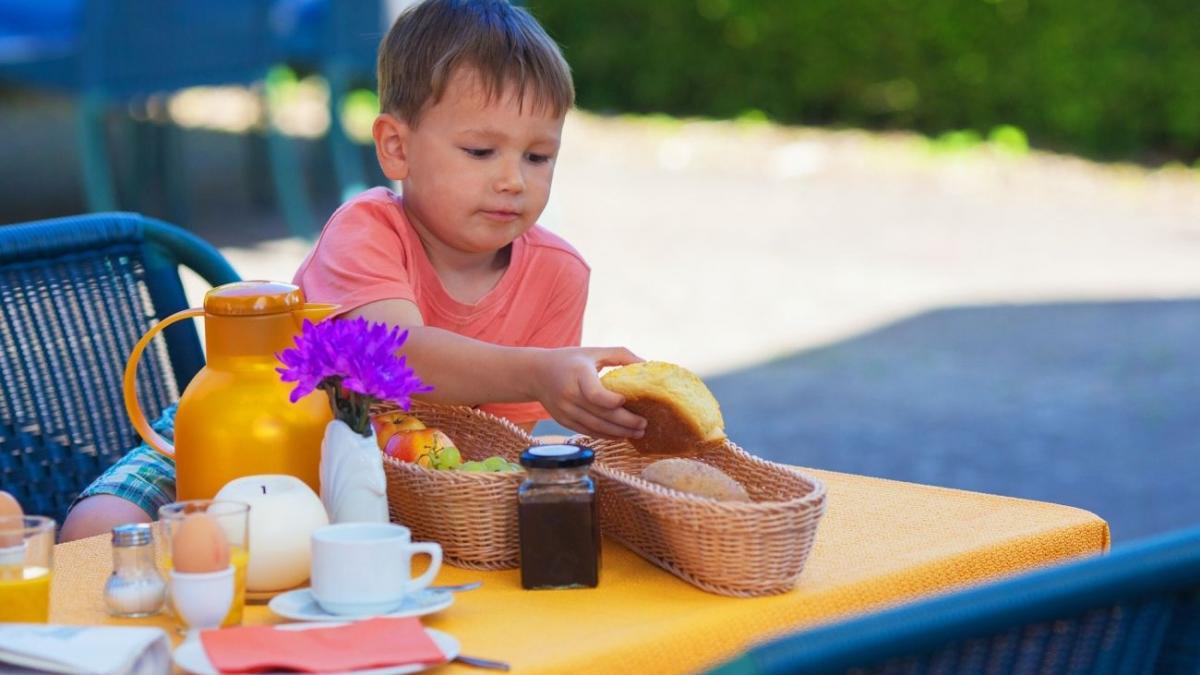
point(331, 34)
point(75, 296)
point(120, 49)
point(134, 47)
point(1136, 610)
point(356, 29)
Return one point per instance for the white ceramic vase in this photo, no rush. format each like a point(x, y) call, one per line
point(353, 485)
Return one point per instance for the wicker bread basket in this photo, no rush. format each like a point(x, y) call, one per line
point(472, 515)
point(731, 548)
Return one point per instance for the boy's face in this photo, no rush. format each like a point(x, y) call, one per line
point(476, 172)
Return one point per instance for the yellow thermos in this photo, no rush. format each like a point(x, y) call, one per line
point(235, 419)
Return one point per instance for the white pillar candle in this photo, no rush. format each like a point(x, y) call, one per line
point(283, 513)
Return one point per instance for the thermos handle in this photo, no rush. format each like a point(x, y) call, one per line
point(132, 405)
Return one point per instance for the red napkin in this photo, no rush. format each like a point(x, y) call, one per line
point(374, 643)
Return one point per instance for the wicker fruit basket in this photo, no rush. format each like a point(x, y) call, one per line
point(472, 515)
point(741, 549)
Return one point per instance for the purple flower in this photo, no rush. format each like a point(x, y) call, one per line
point(356, 362)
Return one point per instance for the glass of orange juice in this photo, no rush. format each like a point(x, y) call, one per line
point(233, 518)
point(26, 558)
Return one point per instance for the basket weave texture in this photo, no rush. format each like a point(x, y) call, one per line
point(472, 515)
point(741, 549)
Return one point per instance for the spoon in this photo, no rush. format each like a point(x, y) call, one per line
point(477, 662)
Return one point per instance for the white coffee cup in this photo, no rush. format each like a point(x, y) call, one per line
point(365, 568)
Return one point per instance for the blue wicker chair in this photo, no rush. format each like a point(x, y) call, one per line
point(75, 295)
point(1136, 610)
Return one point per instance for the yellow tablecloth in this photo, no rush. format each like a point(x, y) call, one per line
point(880, 542)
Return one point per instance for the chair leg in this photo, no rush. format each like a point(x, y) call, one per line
point(287, 176)
point(140, 180)
point(347, 156)
point(256, 168)
point(173, 172)
point(99, 190)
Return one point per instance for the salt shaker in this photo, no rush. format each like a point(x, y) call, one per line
point(557, 519)
point(135, 587)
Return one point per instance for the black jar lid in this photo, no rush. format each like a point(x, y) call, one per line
point(558, 456)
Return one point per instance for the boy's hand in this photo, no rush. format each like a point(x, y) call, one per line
point(567, 383)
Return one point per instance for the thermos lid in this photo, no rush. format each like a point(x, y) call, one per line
point(559, 456)
point(253, 298)
point(131, 535)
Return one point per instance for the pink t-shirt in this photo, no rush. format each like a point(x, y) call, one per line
point(368, 251)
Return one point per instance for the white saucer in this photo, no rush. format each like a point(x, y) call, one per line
point(299, 605)
point(190, 655)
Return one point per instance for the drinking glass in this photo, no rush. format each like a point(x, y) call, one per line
point(26, 559)
point(233, 519)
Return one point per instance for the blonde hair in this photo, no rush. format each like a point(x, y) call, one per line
point(504, 44)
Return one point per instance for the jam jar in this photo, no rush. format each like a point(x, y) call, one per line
point(558, 519)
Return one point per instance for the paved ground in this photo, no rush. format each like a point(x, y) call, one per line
point(1027, 326)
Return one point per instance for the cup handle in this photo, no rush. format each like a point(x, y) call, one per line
point(435, 565)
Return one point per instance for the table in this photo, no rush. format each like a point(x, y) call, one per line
point(880, 542)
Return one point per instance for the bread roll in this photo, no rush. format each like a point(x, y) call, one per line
point(681, 413)
point(698, 478)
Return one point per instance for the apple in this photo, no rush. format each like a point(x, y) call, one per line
point(387, 426)
point(420, 445)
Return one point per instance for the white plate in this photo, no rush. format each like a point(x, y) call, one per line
point(299, 605)
point(190, 655)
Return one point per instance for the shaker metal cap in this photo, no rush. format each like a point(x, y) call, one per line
point(133, 534)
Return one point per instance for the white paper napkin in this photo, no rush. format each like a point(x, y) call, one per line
point(89, 650)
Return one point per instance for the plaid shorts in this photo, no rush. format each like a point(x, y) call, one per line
point(143, 476)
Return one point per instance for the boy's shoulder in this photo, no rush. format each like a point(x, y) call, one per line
point(378, 205)
point(379, 211)
point(544, 243)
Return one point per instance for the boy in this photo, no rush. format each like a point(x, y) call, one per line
point(473, 96)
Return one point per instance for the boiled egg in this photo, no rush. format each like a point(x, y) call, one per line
point(199, 546)
point(10, 519)
point(9, 506)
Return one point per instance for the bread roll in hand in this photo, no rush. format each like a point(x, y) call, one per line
point(682, 415)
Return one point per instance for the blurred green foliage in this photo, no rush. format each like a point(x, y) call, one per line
point(1105, 78)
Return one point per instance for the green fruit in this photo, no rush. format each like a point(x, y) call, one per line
point(495, 463)
point(449, 458)
point(472, 466)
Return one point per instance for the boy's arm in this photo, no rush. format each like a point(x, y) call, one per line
point(98, 514)
point(470, 372)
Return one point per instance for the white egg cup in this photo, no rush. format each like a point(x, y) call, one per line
point(202, 599)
